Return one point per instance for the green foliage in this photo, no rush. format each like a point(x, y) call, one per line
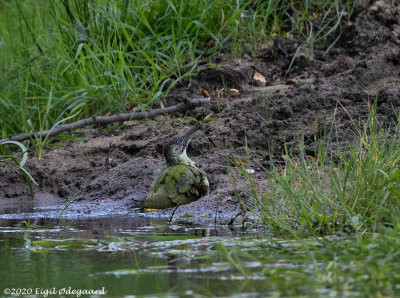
point(61, 58)
point(312, 21)
point(319, 27)
point(340, 266)
point(356, 191)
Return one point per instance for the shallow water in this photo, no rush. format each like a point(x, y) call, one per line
point(124, 255)
point(130, 255)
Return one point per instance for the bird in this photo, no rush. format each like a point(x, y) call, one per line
point(181, 182)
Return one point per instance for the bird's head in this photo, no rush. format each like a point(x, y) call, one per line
point(174, 149)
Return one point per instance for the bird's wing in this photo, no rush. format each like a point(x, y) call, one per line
point(158, 197)
point(189, 186)
point(177, 185)
point(179, 180)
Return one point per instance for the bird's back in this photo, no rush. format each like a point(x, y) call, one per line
point(177, 185)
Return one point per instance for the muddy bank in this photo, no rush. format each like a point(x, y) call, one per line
point(111, 171)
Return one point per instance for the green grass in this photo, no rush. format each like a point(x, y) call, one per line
point(308, 21)
point(337, 266)
point(339, 213)
point(64, 58)
point(354, 189)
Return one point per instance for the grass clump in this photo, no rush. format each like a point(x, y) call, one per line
point(61, 58)
point(309, 21)
point(333, 266)
point(355, 191)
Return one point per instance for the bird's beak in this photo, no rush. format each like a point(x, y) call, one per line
point(188, 135)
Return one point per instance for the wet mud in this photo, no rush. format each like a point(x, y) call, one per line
point(324, 96)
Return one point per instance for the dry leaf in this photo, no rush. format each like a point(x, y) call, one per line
point(239, 161)
point(205, 94)
point(132, 108)
point(259, 77)
point(220, 93)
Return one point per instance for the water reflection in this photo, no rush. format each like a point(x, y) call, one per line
point(149, 258)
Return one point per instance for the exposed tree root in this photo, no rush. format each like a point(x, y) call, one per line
point(186, 105)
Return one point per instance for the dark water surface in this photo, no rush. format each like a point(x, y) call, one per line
point(124, 255)
point(133, 255)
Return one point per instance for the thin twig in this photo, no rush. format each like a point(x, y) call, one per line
point(172, 215)
point(187, 104)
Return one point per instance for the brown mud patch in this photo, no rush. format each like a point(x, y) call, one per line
point(324, 96)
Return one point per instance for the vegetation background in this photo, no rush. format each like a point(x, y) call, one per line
point(77, 58)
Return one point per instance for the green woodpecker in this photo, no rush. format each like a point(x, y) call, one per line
point(181, 182)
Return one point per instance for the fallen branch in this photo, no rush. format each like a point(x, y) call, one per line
point(187, 104)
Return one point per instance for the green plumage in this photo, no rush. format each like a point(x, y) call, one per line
point(177, 185)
